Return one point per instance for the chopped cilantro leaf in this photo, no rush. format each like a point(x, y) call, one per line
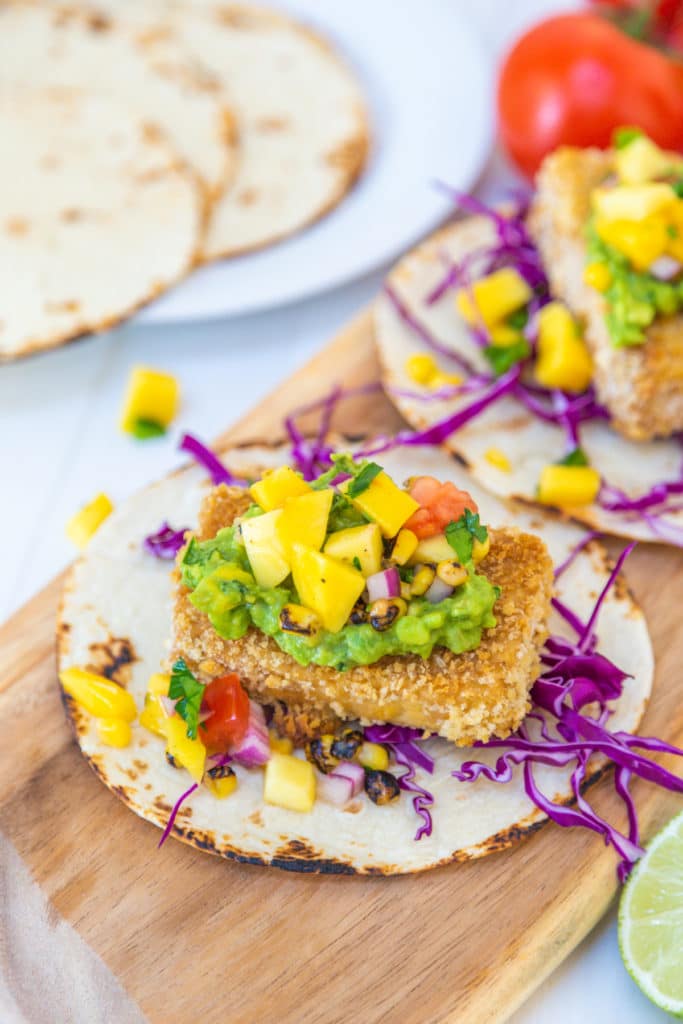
point(188, 692)
point(406, 573)
point(671, 229)
point(356, 563)
point(576, 457)
point(462, 534)
point(362, 480)
point(143, 429)
point(624, 136)
point(502, 357)
point(518, 319)
point(677, 186)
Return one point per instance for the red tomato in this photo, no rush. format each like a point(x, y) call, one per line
point(441, 504)
point(229, 706)
point(573, 79)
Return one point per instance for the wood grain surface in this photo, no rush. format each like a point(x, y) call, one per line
point(192, 937)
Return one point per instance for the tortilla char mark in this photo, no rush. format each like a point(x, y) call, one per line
point(113, 658)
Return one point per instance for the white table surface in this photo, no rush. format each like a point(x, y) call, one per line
point(60, 445)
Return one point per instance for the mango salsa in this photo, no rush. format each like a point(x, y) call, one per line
point(276, 487)
point(329, 587)
point(566, 486)
point(493, 298)
point(152, 398)
point(100, 696)
point(385, 503)
point(153, 717)
point(290, 783)
point(404, 547)
point(641, 242)
point(265, 550)
point(563, 360)
point(358, 543)
point(641, 161)
point(191, 754)
point(113, 732)
point(632, 202)
point(304, 520)
point(85, 523)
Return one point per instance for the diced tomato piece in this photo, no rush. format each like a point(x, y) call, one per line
point(441, 505)
point(228, 704)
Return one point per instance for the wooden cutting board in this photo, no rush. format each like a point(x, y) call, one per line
point(193, 937)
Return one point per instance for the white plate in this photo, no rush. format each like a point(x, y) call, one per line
point(428, 87)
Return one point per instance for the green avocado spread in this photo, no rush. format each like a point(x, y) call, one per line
point(217, 573)
point(634, 298)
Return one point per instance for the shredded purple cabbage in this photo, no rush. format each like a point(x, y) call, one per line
point(166, 542)
point(176, 807)
point(403, 743)
point(206, 458)
point(576, 551)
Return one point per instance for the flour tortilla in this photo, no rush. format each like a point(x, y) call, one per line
point(66, 47)
point(300, 115)
point(528, 443)
point(96, 216)
point(116, 611)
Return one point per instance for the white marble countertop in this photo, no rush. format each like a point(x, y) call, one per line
point(61, 445)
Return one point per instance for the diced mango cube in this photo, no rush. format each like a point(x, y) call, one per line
point(113, 732)
point(432, 550)
point(632, 202)
point(191, 754)
point(88, 520)
point(597, 275)
point(641, 242)
point(280, 744)
point(329, 587)
point(503, 336)
point(276, 486)
point(563, 360)
point(304, 519)
point(152, 398)
point(100, 696)
point(158, 683)
point(153, 717)
point(361, 544)
point(384, 503)
point(641, 160)
point(265, 550)
point(404, 547)
point(493, 298)
point(495, 457)
point(568, 485)
point(421, 367)
point(221, 788)
point(290, 783)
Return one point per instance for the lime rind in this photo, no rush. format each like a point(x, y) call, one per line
point(651, 920)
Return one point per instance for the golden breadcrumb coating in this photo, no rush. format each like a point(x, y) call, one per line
point(641, 385)
point(464, 697)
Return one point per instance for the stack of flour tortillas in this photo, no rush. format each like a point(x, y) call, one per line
point(139, 139)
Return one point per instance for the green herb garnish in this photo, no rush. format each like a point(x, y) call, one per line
point(462, 534)
point(502, 357)
point(622, 137)
point(576, 457)
point(188, 692)
point(356, 563)
point(362, 480)
point(143, 429)
point(677, 186)
point(519, 319)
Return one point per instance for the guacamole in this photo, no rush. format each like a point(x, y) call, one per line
point(634, 298)
point(217, 572)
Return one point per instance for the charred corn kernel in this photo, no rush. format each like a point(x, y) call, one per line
point(597, 275)
point(158, 684)
point(503, 336)
point(295, 618)
point(403, 548)
point(102, 697)
point(422, 581)
point(563, 360)
point(641, 242)
point(152, 397)
point(191, 754)
point(273, 490)
point(568, 485)
point(319, 753)
point(451, 572)
point(632, 202)
point(223, 787)
point(385, 612)
point(406, 592)
point(421, 368)
point(153, 717)
point(493, 298)
point(114, 732)
point(444, 380)
point(480, 549)
point(81, 527)
point(495, 457)
point(289, 782)
point(280, 744)
point(373, 756)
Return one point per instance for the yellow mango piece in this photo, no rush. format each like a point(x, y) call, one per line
point(432, 550)
point(221, 788)
point(641, 242)
point(503, 336)
point(265, 550)
point(102, 697)
point(153, 717)
point(358, 542)
point(632, 202)
point(404, 546)
point(597, 275)
point(290, 783)
point(304, 519)
point(566, 486)
point(421, 368)
point(191, 754)
point(641, 161)
point(275, 487)
point(113, 732)
point(495, 457)
point(158, 683)
point(330, 588)
point(81, 527)
point(384, 503)
point(493, 298)
point(563, 360)
point(151, 396)
point(280, 744)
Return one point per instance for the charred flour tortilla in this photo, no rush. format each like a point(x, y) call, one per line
point(528, 443)
point(97, 217)
point(116, 611)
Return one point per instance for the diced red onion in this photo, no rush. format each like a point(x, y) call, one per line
point(438, 591)
point(334, 789)
point(385, 584)
point(665, 268)
point(353, 772)
point(167, 704)
point(254, 749)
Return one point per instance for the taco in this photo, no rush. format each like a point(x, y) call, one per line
point(307, 675)
point(553, 372)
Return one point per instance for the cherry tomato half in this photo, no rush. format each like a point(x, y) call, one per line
point(228, 703)
point(573, 79)
point(441, 504)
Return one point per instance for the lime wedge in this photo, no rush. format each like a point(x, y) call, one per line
point(651, 920)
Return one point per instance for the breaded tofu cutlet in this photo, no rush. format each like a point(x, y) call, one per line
point(641, 385)
point(464, 697)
